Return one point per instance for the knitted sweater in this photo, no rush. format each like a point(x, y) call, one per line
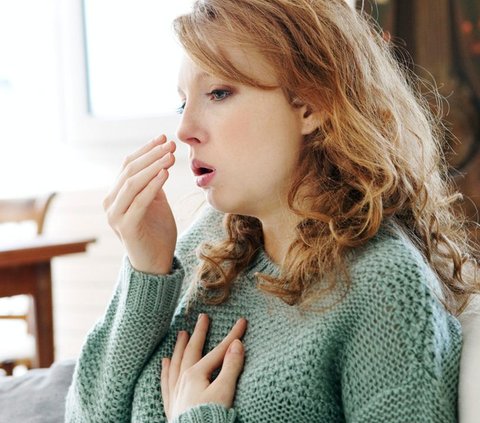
point(389, 352)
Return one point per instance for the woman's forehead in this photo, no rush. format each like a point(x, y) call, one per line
point(248, 61)
point(191, 73)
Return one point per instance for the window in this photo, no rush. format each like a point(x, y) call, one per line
point(132, 57)
point(122, 85)
point(30, 122)
point(79, 75)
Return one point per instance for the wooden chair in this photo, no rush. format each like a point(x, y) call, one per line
point(22, 210)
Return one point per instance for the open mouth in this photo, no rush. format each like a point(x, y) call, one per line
point(203, 171)
point(199, 168)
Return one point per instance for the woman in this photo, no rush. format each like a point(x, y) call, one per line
point(329, 230)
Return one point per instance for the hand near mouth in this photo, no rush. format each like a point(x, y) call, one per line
point(138, 211)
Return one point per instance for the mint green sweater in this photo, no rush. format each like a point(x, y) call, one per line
point(389, 352)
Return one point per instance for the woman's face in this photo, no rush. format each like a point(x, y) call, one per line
point(248, 138)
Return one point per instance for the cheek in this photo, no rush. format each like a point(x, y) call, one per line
point(240, 136)
point(260, 142)
point(262, 130)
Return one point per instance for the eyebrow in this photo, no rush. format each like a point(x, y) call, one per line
point(199, 76)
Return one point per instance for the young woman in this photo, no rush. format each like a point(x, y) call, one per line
point(329, 230)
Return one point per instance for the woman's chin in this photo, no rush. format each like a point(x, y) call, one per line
point(224, 204)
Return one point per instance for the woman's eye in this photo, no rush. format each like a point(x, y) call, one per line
point(218, 95)
point(181, 108)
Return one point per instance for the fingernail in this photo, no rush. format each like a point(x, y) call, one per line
point(236, 347)
point(200, 317)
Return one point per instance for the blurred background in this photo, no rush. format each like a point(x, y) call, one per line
point(83, 83)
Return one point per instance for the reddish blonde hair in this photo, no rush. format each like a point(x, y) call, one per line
point(376, 156)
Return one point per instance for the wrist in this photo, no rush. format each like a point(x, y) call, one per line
point(208, 412)
point(162, 268)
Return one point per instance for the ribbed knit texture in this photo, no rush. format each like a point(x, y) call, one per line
point(389, 352)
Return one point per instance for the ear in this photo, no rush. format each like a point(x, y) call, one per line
point(310, 120)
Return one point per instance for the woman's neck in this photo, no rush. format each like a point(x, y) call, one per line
point(278, 234)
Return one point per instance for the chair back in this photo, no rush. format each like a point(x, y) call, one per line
point(23, 209)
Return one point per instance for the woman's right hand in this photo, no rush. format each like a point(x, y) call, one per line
point(138, 211)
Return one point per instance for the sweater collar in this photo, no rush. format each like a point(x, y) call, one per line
point(262, 263)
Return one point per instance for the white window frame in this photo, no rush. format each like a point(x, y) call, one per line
point(80, 127)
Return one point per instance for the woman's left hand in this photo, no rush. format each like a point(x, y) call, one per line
point(185, 378)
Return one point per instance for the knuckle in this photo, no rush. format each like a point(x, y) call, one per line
point(159, 148)
point(128, 169)
point(168, 157)
point(111, 219)
point(155, 151)
point(129, 184)
point(126, 161)
point(162, 160)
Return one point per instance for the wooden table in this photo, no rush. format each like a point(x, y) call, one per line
point(25, 268)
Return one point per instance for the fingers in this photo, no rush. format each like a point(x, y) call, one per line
point(154, 156)
point(144, 149)
point(187, 376)
point(164, 386)
point(136, 192)
point(137, 183)
point(213, 360)
point(226, 381)
point(138, 207)
point(193, 351)
point(149, 155)
point(176, 361)
point(188, 353)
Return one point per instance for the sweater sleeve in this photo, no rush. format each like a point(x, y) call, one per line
point(137, 319)
point(120, 344)
point(401, 360)
point(207, 413)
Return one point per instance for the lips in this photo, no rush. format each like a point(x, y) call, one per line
point(204, 173)
point(200, 168)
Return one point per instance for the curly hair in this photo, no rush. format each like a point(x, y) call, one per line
point(375, 157)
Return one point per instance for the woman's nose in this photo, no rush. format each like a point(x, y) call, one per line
point(189, 131)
